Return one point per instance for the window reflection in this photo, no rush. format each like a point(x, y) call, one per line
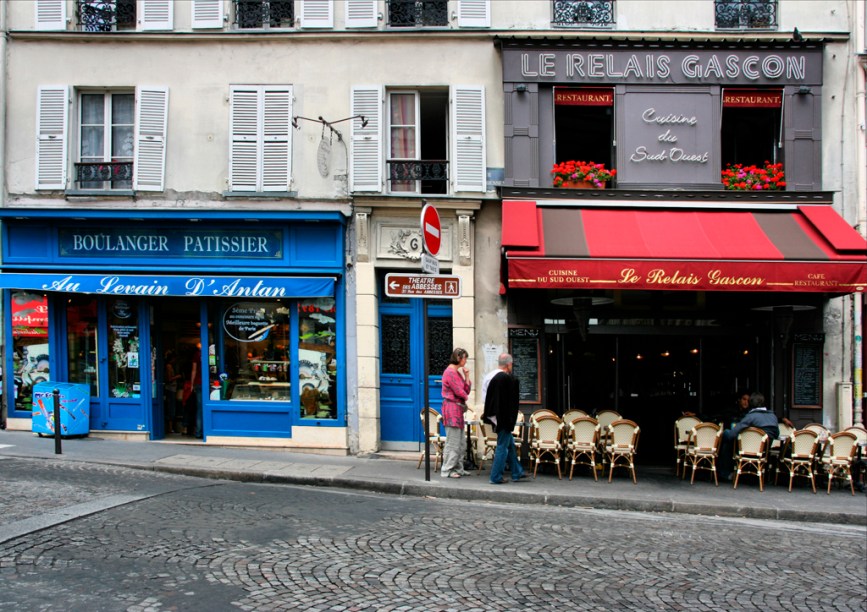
point(317, 363)
point(124, 369)
point(81, 342)
point(29, 345)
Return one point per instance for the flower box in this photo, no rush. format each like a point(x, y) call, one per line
point(770, 177)
point(581, 175)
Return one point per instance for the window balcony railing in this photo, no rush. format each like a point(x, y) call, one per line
point(105, 15)
point(583, 13)
point(403, 175)
point(103, 175)
point(417, 13)
point(745, 14)
point(264, 13)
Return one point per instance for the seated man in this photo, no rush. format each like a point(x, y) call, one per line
point(758, 416)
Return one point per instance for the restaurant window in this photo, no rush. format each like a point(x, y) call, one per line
point(107, 123)
point(81, 342)
point(124, 367)
point(584, 124)
point(417, 154)
point(30, 352)
point(317, 362)
point(248, 352)
point(745, 14)
point(751, 126)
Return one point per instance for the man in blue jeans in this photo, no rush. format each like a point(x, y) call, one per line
point(501, 411)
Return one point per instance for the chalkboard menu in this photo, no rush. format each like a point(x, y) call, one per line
point(526, 355)
point(807, 370)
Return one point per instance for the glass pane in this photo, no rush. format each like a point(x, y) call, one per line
point(29, 345)
point(395, 344)
point(92, 145)
point(317, 364)
point(124, 373)
point(121, 143)
point(250, 352)
point(439, 344)
point(81, 342)
point(122, 106)
point(92, 109)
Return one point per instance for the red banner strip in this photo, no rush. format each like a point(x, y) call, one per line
point(583, 96)
point(544, 273)
point(752, 98)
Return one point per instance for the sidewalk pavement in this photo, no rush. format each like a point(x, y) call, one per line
point(658, 490)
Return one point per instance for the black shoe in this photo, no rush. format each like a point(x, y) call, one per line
point(523, 476)
point(498, 482)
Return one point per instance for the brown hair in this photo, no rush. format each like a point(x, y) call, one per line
point(457, 355)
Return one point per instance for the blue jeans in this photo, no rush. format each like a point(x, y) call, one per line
point(506, 451)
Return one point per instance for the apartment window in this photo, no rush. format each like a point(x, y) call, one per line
point(417, 13)
point(106, 137)
point(261, 138)
point(426, 140)
point(584, 124)
point(264, 13)
point(751, 126)
point(106, 15)
point(745, 14)
point(583, 13)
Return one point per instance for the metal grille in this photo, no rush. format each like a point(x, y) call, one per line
point(439, 344)
point(583, 12)
point(395, 344)
point(105, 15)
point(743, 14)
point(93, 175)
point(417, 13)
point(418, 170)
point(264, 13)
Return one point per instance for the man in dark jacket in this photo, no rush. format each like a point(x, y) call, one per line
point(758, 416)
point(501, 411)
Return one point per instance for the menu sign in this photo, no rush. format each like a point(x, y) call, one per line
point(525, 350)
point(807, 371)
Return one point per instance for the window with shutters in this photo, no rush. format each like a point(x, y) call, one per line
point(417, 13)
point(261, 138)
point(427, 141)
point(583, 13)
point(106, 140)
point(264, 13)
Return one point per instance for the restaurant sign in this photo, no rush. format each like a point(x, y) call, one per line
point(545, 273)
point(185, 286)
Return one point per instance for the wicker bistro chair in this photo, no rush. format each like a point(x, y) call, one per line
point(622, 446)
point(779, 448)
point(475, 430)
point(841, 454)
point(437, 441)
point(582, 443)
point(605, 418)
point(682, 429)
point(703, 450)
point(518, 435)
point(803, 444)
point(752, 454)
point(546, 442)
point(488, 443)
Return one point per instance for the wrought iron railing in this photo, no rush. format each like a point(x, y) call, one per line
point(745, 14)
point(94, 175)
point(583, 13)
point(105, 15)
point(264, 13)
point(402, 170)
point(417, 13)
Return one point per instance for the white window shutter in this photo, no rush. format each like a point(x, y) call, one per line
point(245, 122)
point(468, 138)
point(151, 119)
point(156, 14)
point(361, 14)
point(276, 138)
point(50, 14)
point(474, 13)
point(52, 112)
point(207, 13)
point(317, 13)
point(366, 163)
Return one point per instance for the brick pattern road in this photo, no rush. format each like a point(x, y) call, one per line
point(190, 544)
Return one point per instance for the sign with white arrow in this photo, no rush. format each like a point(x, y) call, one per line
point(443, 287)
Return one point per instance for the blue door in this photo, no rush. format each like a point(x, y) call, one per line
point(401, 325)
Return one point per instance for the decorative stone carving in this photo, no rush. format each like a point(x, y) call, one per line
point(465, 218)
point(362, 234)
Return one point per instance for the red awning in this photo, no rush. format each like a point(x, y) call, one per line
point(808, 249)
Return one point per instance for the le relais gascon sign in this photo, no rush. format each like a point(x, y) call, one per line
point(668, 103)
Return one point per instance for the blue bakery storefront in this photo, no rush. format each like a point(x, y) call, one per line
point(227, 326)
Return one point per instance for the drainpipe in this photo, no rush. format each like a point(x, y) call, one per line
point(860, 29)
point(3, 72)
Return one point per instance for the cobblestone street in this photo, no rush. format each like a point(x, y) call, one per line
point(192, 544)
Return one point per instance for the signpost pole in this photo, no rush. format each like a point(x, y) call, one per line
point(425, 394)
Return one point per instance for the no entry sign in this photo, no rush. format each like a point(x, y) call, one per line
point(431, 230)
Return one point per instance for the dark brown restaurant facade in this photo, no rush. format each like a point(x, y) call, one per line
point(665, 292)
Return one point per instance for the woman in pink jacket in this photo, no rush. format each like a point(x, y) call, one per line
point(456, 390)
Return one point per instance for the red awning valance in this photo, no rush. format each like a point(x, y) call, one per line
point(810, 249)
point(584, 96)
point(752, 98)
